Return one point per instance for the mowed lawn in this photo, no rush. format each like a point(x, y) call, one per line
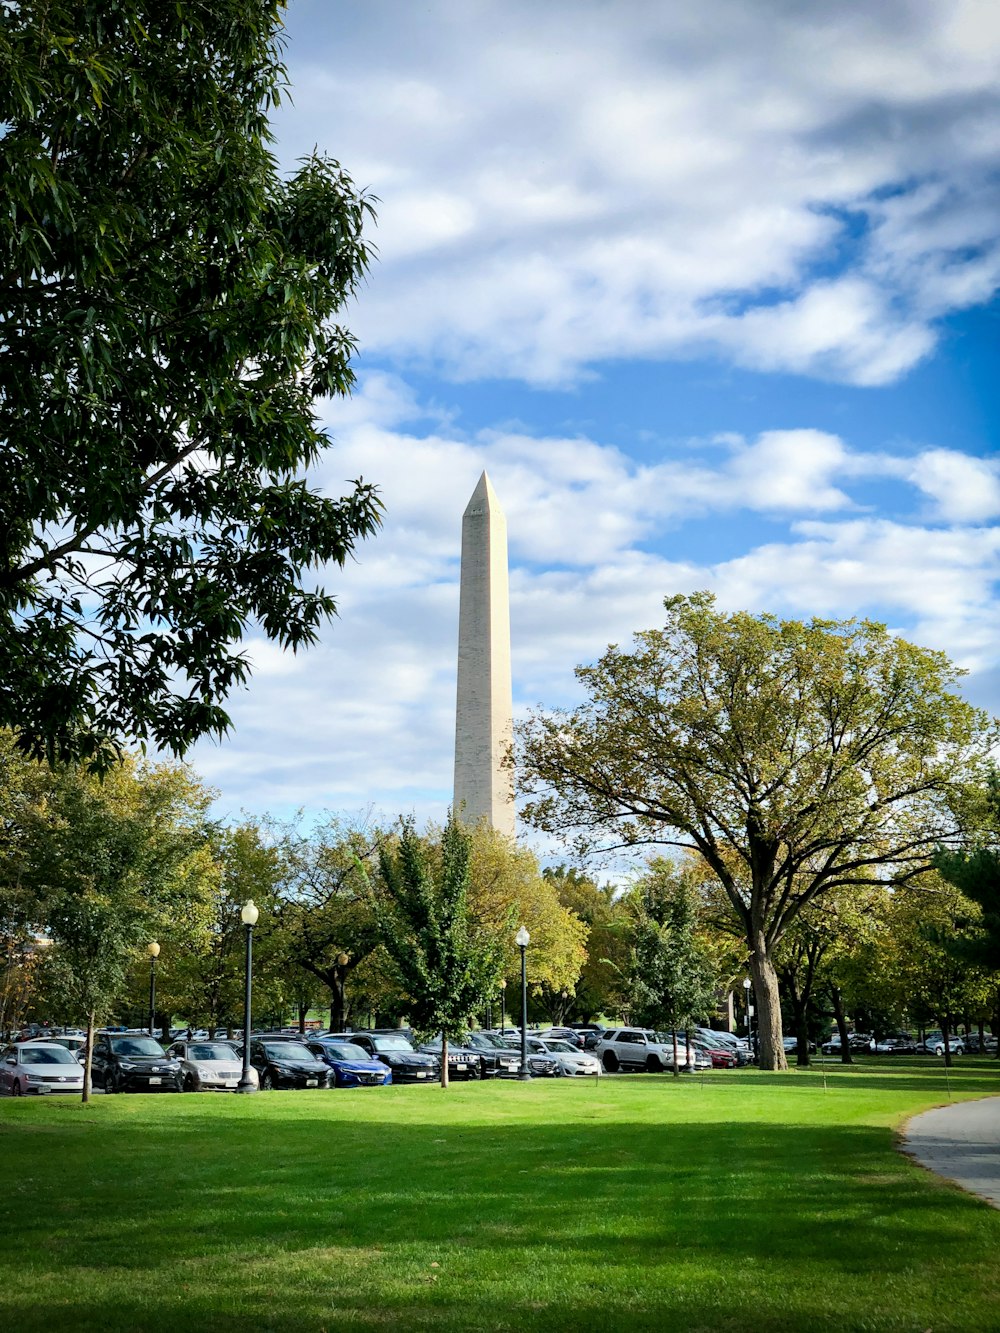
point(732, 1201)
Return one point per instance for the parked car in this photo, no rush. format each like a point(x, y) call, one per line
point(350, 1066)
point(640, 1049)
point(571, 1061)
point(540, 1063)
point(571, 1035)
point(496, 1059)
point(39, 1067)
point(791, 1045)
point(126, 1062)
point(973, 1046)
point(393, 1049)
point(728, 1041)
point(897, 1043)
point(463, 1063)
point(281, 1063)
point(721, 1056)
point(75, 1045)
point(209, 1065)
point(934, 1044)
point(857, 1041)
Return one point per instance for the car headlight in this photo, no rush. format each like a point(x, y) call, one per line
point(205, 1071)
point(125, 1066)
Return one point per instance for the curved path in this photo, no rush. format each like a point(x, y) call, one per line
point(960, 1142)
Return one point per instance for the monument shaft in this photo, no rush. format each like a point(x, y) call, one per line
point(484, 782)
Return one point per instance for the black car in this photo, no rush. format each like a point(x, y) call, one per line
point(393, 1049)
point(496, 1059)
point(283, 1062)
point(124, 1062)
point(463, 1062)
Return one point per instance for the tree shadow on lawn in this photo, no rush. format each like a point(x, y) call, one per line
point(308, 1223)
point(887, 1080)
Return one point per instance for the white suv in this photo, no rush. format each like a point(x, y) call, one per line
point(638, 1048)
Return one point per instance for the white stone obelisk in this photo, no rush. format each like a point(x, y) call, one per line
point(484, 782)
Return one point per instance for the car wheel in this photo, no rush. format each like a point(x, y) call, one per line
point(110, 1082)
point(654, 1065)
point(16, 1088)
point(189, 1083)
point(610, 1062)
point(267, 1081)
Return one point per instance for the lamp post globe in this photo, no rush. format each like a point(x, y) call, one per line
point(249, 914)
point(153, 949)
point(522, 939)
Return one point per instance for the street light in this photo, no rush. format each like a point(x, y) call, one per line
point(153, 949)
point(522, 939)
point(248, 915)
point(503, 1016)
point(746, 987)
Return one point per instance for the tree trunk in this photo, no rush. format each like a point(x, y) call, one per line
point(303, 1010)
point(841, 1019)
point(87, 1062)
point(771, 1053)
point(338, 1016)
point(444, 1060)
point(673, 1034)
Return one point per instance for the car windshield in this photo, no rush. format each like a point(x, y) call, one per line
point(391, 1044)
point(287, 1050)
point(563, 1047)
point(136, 1046)
point(47, 1055)
point(211, 1051)
point(480, 1042)
point(345, 1051)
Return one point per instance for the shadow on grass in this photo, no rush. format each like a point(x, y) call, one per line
point(203, 1222)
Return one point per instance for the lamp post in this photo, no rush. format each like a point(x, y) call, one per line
point(248, 915)
point(747, 990)
point(522, 939)
point(153, 949)
point(503, 1016)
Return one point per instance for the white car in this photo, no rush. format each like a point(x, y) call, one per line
point(39, 1067)
point(210, 1066)
point(572, 1062)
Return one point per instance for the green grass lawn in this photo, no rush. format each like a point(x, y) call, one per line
point(736, 1201)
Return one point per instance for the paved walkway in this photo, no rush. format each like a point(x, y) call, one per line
point(960, 1142)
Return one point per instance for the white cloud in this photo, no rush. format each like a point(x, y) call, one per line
point(803, 188)
point(965, 489)
point(368, 716)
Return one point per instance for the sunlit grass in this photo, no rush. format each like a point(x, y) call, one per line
point(737, 1201)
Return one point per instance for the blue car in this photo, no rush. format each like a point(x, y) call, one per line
point(350, 1065)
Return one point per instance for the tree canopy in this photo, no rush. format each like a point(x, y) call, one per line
point(796, 758)
point(167, 323)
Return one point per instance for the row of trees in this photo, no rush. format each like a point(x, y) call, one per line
point(393, 924)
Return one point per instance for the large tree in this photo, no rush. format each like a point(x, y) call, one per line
point(447, 964)
point(167, 305)
point(796, 758)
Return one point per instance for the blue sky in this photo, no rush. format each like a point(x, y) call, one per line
point(712, 293)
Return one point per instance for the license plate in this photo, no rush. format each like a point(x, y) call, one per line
point(232, 1082)
point(461, 1066)
point(156, 1080)
point(311, 1082)
point(421, 1073)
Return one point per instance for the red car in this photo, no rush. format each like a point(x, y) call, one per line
point(721, 1058)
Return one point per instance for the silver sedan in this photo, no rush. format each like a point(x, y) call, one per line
point(572, 1062)
point(209, 1065)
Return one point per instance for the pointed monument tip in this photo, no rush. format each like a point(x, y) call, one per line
point(484, 497)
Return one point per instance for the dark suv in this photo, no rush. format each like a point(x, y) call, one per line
point(124, 1062)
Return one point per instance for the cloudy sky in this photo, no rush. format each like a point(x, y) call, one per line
point(710, 290)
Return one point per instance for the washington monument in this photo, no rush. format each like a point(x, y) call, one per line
point(484, 783)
